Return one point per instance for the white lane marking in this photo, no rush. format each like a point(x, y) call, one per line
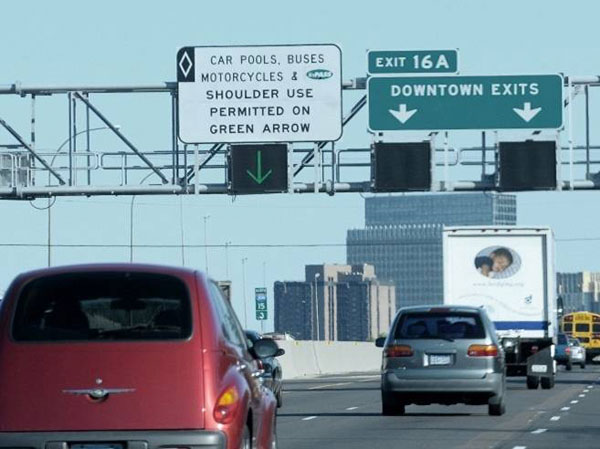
point(574, 402)
point(538, 431)
point(329, 385)
point(590, 386)
point(308, 418)
point(351, 408)
point(520, 447)
point(586, 391)
point(555, 418)
point(565, 409)
point(582, 395)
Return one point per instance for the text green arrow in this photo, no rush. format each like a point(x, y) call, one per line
point(259, 178)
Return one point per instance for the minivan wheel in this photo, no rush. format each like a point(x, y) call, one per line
point(582, 365)
point(533, 382)
point(279, 398)
point(497, 409)
point(569, 366)
point(246, 442)
point(547, 383)
point(390, 406)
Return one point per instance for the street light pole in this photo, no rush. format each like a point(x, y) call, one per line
point(60, 147)
point(206, 217)
point(244, 259)
point(227, 260)
point(317, 276)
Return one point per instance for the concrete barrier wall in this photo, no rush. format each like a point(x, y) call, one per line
point(311, 358)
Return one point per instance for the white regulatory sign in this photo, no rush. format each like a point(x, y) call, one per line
point(282, 93)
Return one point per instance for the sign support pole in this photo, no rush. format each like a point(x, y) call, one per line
point(290, 168)
point(446, 161)
point(317, 165)
point(570, 131)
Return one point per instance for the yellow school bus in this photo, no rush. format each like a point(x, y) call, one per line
point(585, 326)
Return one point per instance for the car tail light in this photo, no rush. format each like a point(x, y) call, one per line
point(482, 351)
point(567, 351)
point(260, 364)
point(398, 351)
point(226, 406)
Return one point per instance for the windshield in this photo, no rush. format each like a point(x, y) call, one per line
point(103, 306)
point(450, 325)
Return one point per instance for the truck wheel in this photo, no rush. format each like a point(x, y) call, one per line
point(547, 383)
point(390, 406)
point(533, 382)
point(569, 365)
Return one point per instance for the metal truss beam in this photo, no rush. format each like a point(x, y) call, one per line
point(121, 136)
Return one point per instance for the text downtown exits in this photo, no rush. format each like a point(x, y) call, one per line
point(464, 89)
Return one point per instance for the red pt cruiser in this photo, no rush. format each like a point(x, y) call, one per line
point(128, 357)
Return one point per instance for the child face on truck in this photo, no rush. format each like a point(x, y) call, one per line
point(501, 259)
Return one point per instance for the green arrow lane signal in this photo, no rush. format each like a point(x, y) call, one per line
point(259, 178)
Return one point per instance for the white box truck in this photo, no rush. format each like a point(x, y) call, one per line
point(508, 270)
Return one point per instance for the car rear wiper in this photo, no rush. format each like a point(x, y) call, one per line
point(442, 337)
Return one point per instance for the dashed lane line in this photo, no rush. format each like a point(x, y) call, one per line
point(538, 431)
point(330, 385)
point(308, 418)
point(520, 447)
point(582, 395)
point(351, 408)
point(565, 409)
point(555, 418)
point(575, 401)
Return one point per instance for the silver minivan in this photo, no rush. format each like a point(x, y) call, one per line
point(442, 355)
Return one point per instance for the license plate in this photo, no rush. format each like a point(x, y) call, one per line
point(440, 360)
point(539, 368)
point(97, 446)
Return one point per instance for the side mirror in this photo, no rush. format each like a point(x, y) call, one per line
point(265, 347)
point(380, 342)
point(280, 352)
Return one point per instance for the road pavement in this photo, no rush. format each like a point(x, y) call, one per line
point(345, 412)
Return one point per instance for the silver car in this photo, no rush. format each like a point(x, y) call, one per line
point(578, 354)
point(442, 355)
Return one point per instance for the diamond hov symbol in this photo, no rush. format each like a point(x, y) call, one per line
point(185, 64)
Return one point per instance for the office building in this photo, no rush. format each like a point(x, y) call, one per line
point(579, 291)
point(335, 302)
point(403, 237)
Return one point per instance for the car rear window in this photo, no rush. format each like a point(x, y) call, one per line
point(446, 325)
point(562, 339)
point(103, 306)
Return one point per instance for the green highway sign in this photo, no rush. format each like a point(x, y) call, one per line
point(258, 168)
point(465, 102)
point(382, 62)
point(260, 297)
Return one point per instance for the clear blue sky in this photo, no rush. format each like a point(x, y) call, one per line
point(134, 42)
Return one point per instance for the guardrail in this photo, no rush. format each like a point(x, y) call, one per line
point(310, 358)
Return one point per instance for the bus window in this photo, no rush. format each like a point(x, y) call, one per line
point(582, 327)
point(596, 328)
point(568, 327)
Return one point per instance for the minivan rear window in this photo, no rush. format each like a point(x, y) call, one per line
point(445, 325)
point(103, 306)
point(562, 339)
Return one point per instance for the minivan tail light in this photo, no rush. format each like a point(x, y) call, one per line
point(226, 406)
point(482, 351)
point(398, 351)
point(567, 350)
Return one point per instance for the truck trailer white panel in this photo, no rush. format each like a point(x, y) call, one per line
point(507, 270)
